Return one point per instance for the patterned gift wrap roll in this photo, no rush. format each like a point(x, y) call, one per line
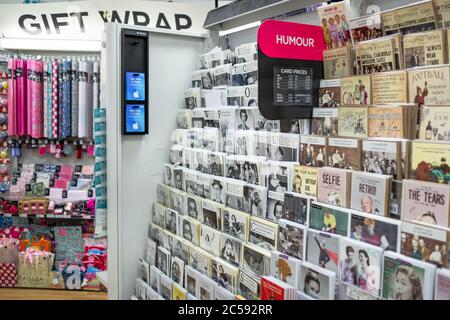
point(49, 132)
point(54, 133)
point(12, 112)
point(21, 91)
point(45, 76)
point(60, 98)
point(65, 124)
point(36, 111)
point(30, 75)
point(74, 101)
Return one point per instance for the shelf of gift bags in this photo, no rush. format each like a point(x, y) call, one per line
point(50, 216)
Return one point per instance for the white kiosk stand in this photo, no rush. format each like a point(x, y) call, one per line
point(135, 163)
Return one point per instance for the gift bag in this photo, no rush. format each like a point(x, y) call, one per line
point(9, 250)
point(41, 245)
point(34, 268)
point(13, 232)
point(69, 244)
point(73, 276)
point(41, 232)
point(8, 275)
point(90, 282)
point(95, 256)
point(56, 280)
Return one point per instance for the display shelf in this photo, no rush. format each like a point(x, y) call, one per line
point(47, 140)
point(243, 12)
point(58, 201)
point(50, 216)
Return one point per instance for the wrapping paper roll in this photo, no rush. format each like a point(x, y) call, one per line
point(36, 110)
point(96, 84)
point(65, 106)
point(74, 102)
point(29, 75)
point(45, 77)
point(21, 91)
point(85, 110)
point(12, 109)
point(49, 133)
point(60, 98)
point(54, 99)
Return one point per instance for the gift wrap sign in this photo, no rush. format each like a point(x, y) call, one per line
point(290, 57)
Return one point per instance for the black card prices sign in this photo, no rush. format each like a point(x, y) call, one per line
point(135, 100)
point(290, 66)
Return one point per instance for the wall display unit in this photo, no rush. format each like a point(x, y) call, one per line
point(53, 188)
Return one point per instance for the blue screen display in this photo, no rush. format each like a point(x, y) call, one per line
point(135, 86)
point(135, 118)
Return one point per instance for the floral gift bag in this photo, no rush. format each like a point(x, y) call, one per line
point(35, 268)
point(69, 244)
